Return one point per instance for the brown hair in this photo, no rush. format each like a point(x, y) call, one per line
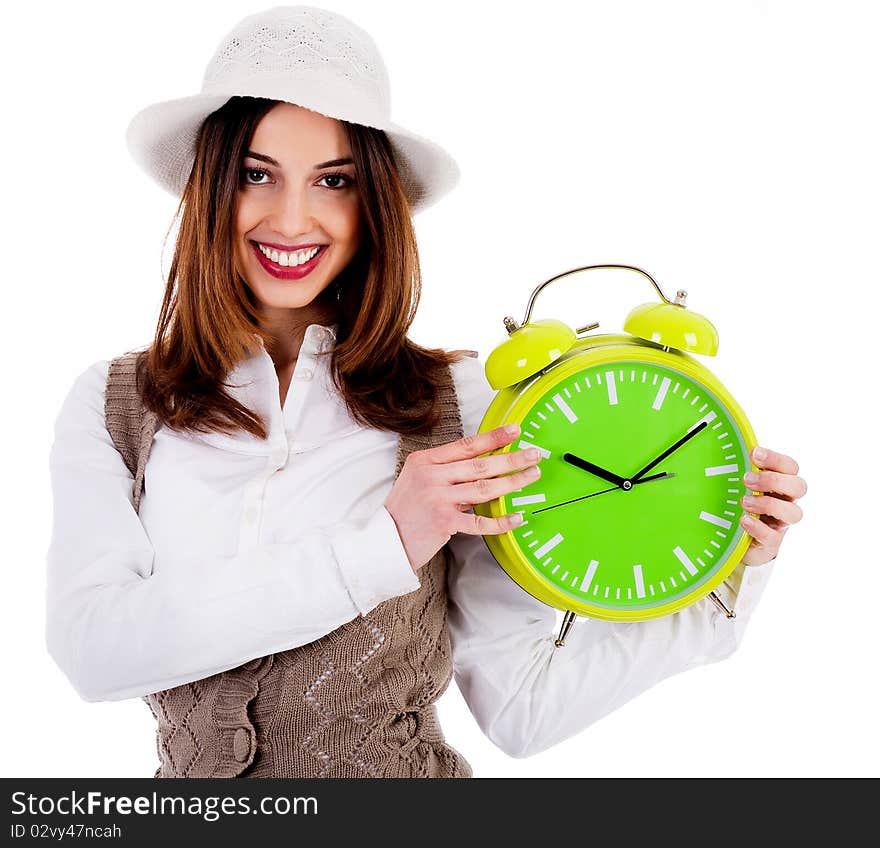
point(209, 317)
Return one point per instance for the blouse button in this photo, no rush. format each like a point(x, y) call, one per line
point(305, 374)
point(251, 514)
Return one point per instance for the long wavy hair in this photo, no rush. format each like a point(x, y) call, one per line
point(209, 317)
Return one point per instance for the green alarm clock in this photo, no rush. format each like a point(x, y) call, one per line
point(636, 514)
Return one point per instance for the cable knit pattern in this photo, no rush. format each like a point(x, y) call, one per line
point(358, 702)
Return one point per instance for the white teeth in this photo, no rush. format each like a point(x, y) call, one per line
point(289, 259)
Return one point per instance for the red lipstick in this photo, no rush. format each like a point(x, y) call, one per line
point(283, 272)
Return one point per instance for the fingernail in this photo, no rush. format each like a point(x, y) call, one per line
point(750, 477)
point(748, 501)
point(759, 454)
point(511, 429)
point(747, 521)
point(516, 519)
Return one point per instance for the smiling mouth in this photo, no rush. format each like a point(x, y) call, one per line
point(287, 272)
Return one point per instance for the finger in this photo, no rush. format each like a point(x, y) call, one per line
point(788, 486)
point(786, 511)
point(773, 460)
point(482, 525)
point(488, 488)
point(762, 532)
point(775, 523)
point(493, 465)
point(473, 445)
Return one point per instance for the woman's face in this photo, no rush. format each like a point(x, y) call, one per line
point(297, 199)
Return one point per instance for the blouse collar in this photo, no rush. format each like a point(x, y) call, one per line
point(313, 412)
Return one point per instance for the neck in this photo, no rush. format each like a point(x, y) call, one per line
point(286, 330)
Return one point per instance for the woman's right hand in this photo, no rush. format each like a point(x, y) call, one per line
point(436, 487)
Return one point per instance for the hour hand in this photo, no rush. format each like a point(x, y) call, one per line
point(604, 473)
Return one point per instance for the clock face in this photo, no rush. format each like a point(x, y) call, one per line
point(649, 532)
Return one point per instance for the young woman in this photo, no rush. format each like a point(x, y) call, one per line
point(263, 521)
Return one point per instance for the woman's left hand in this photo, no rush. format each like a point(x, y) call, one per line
point(777, 508)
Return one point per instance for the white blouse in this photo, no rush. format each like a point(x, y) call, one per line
point(290, 538)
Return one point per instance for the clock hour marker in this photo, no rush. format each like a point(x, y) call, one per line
point(527, 499)
point(715, 519)
point(544, 452)
point(640, 581)
point(722, 469)
point(661, 393)
point(564, 408)
point(588, 577)
point(549, 545)
point(612, 387)
point(685, 561)
point(709, 417)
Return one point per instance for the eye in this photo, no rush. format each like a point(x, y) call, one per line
point(336, 175)
point(247, 171)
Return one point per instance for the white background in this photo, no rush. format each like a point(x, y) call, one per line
point(728, 148)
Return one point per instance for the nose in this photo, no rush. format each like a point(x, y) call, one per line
point(292, 213)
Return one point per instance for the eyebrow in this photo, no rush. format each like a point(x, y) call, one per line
point(331, 163)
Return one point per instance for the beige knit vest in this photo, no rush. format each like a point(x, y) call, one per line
point(358, 702)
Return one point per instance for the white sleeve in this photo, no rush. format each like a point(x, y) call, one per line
point(119, 626)
point(528, 695)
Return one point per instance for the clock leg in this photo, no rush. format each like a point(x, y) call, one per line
point(721, 605)
point(567, 621)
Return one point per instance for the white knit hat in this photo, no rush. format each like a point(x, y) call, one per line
point(302, 55)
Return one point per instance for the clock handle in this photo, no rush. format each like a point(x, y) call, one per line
point(721, 605)
point(567, 622)
point(679, 297)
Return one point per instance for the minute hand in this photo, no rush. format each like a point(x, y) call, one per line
point(670, 449)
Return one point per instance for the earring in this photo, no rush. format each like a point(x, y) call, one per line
point(338, 292)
